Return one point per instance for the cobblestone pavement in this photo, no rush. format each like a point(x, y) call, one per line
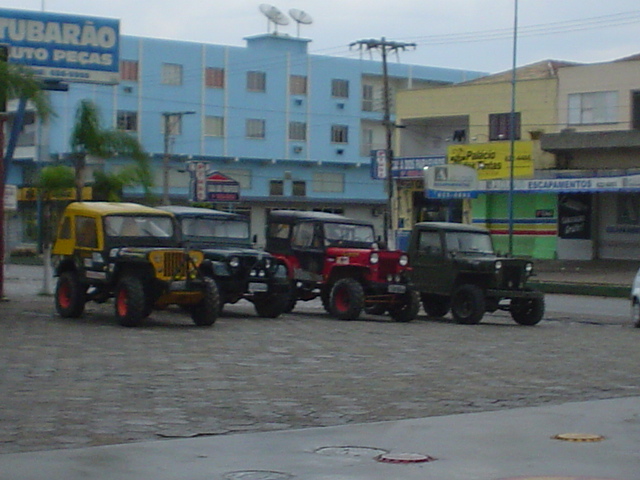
point(75, 383)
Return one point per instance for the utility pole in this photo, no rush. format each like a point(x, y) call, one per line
point(168, 117)
point(385, 48)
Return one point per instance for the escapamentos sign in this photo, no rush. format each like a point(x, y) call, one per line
point(69, 48)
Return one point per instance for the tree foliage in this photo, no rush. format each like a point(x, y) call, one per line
point(88, 137)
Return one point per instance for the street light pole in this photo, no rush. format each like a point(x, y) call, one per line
point(512, 127)
point(168, 116)
point(385, 47)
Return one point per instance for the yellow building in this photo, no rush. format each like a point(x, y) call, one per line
point(470, 123)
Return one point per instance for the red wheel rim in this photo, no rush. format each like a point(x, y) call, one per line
point(64, 295)
point(121, 303)
point(342, 300)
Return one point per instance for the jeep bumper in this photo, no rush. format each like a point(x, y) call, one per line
point(531, 294)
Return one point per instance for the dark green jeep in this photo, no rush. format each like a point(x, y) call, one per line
point(454, 267)
point(239, 270)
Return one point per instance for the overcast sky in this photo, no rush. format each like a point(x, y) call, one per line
point(464, 34)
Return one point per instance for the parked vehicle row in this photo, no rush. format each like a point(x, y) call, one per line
point(201, 259)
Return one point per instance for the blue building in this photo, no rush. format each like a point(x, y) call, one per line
point(294, 129)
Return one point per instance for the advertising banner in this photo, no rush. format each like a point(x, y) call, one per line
point(450, 181)
point(491, 160)
point(68, 48)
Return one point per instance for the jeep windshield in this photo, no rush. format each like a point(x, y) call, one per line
point(348, 235)
point(208, 229)
point(469, 242)
point(131, 226)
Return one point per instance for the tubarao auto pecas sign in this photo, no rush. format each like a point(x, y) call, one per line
point(68, 48)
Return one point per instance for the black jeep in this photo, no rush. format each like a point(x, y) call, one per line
point(239, 270)
point(454, 267)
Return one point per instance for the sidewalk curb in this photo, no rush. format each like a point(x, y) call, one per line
point(590, 289)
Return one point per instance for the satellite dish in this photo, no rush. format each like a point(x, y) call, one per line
point(274, 15)
point(300, 16)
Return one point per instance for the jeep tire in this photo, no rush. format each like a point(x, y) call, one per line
point(468, 304)
point(270, 305)
point(407, 309)
point(527, 311)
point(70, 295)
point(206, 311)
point(130, 302)
point(435, 305)
point(347, 299)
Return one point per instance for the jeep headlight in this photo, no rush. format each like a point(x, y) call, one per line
point(157, 258)
point(404, 260)
point(234, 262)
point(498, 265)
point(528, 268)
point(267, 263)
point(374, 258)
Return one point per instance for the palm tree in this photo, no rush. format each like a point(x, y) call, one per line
point(88, 137)
point(16, 81)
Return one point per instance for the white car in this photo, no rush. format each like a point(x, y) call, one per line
point(635, 300)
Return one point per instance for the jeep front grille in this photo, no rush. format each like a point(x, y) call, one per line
point(512, 277)
point(175, 265)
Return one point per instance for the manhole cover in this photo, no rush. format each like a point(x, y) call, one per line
point(404, 458)
point(347, 451)
point(555, 478)
point(578, 437)
point(257, 475)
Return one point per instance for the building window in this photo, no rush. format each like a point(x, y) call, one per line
point(299, 188)
point(171, 74)
point(127, 121)
point(256, 81)
point(276, 188)
point(635, 110)
point(255, 128)
point(592, 108)
point(214, 77)
point(129, 70)
point(297, 131)
point(214, 126)
point(328, 182)
point(298, 85)
point(172, 124)
point(366, 142)
point(339, 134)
point(500, 126)
point(340, 88)
point(367, 98)
point(628, 211)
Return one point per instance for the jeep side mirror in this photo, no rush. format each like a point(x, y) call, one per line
point(255, 238)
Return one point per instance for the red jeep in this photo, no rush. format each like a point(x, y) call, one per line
point(338, 259)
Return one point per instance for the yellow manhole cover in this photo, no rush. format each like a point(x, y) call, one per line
point(578, 437)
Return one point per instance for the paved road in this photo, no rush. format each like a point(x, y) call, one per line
point(74, 383)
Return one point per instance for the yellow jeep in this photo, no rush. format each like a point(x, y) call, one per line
point(131, 253)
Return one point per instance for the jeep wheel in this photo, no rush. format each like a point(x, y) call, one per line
point(205, 312)
point(635, 313)
point(468, 304)
point(292, 298)
point(347, 299)
point(527, 311)
point(131, 304)
point(270, 306)
point(70, 295)
point(408, 309)
point(435, 305)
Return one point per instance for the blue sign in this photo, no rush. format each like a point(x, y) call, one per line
point(69, 48)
